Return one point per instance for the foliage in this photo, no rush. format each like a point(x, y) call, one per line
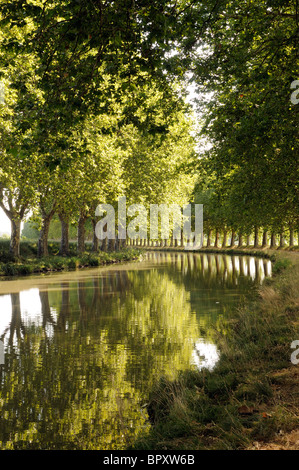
point(250, 121)
point(25, 266)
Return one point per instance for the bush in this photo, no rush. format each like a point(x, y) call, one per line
point(73, 263)
point(9, 269)
point(30, 264)
point(6, 257)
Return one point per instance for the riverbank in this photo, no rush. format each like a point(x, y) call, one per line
point(261, 252)
point(250, 400)
point(29, 263)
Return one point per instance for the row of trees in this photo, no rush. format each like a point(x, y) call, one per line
point(249, 176)
point(130, 133)
point(95, 167)
point(94, 109)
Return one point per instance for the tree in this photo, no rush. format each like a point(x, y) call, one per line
point(19, 162)
point(250, 120)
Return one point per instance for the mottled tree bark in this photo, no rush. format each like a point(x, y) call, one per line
point(265, 238)
point(42, 246)
point(232, 242)
point(224, 241)
point(122, 244)
point(281, 240)
point(216, 239)
point(273, 240)
point(111, 244)
point(209, 239)
point(64, 243)
point(15, 216)
point(256, 237)
point(291, 237)
point(240, 244)
point(15, 238)
point(104, 246)
point(117, 243)
point(95, 240)
point(81, 234)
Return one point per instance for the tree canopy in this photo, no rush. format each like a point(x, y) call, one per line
point(95, 107)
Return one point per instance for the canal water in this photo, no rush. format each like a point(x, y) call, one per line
point(83, 349)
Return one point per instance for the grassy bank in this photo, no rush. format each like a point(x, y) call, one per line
point(28, 263)
point(262, 252)
point(251, 398)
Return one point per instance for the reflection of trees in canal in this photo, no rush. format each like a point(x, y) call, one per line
point(78, 380)
point(76, 376)
point(220, 268)
point(16, 327)
point(216, 282)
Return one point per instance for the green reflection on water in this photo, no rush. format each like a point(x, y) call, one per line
point(81, 355)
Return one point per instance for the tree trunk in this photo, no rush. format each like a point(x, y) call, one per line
point(81, 234)
point(209, 239)
point(111, 244)
point(122, 244)
point(117, 243)
point(64, 244)
point(281, 240)
point(104, 246)
point(42, 247)
point(291, 237)
point(216, 239)
point(265, 238)
point(224, 241)
point(47, 215)
point(256, 237)
point(14, 247)
point(240, 244)
point(232, 242)
point(273, 240)
point(182, 239)
point(95, 240)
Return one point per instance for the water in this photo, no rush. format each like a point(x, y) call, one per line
point(83, 349)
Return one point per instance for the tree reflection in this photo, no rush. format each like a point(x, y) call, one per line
point(77, 377)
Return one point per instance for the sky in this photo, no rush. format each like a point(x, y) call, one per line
point(4, 222)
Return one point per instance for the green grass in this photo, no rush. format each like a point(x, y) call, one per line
point(280, 265)
point(205, 409)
